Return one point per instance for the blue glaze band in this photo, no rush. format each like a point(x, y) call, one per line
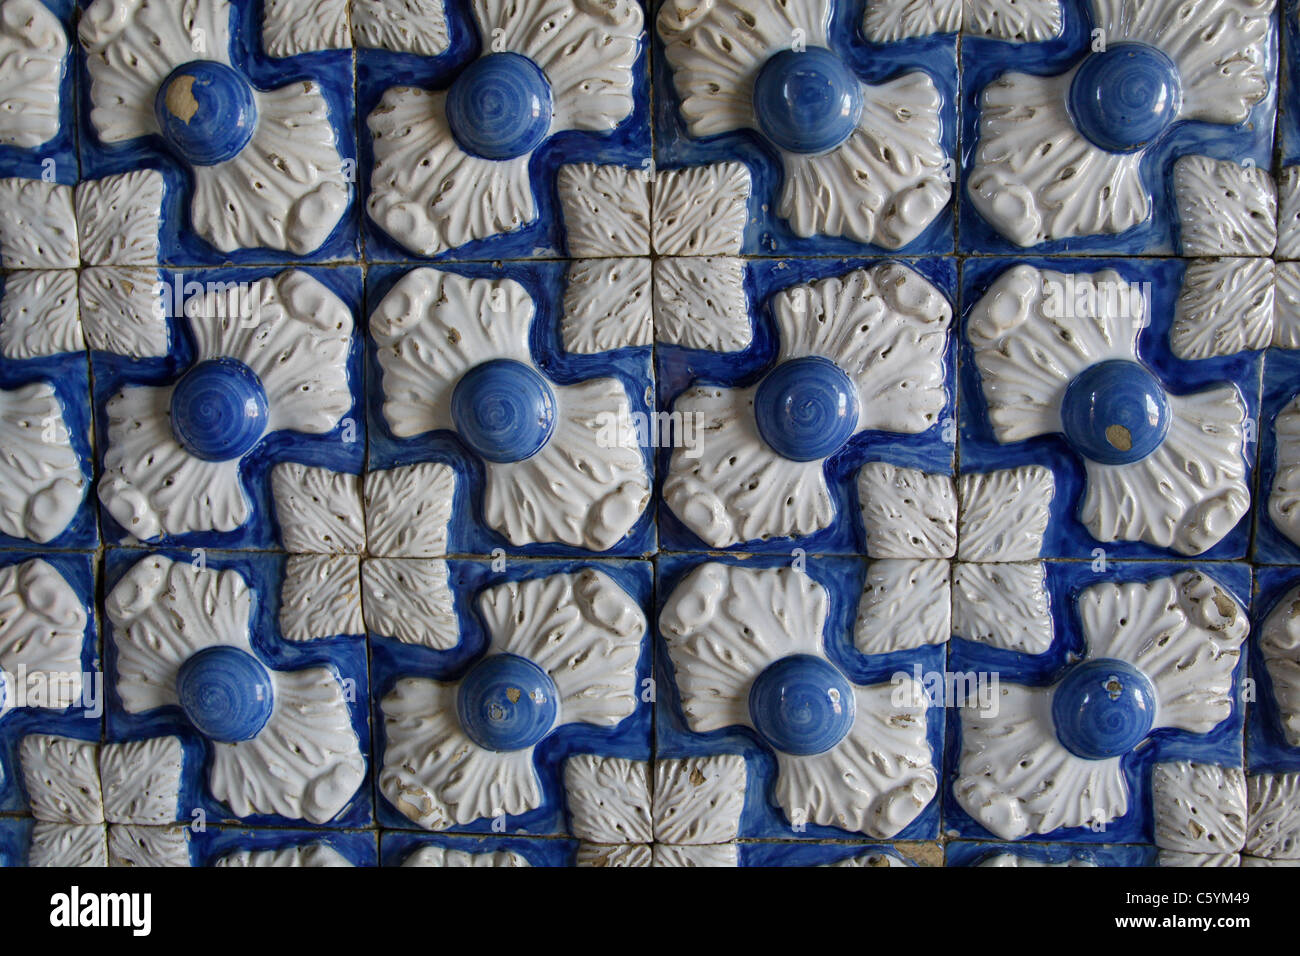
point(226, 693)
point(219, 410)
point(206, 111)
point(1125, 97)
point(507, 702)
point(801, 705)
point(500, 106)
point(806, 408)
point(1103, 708)
point(504, 410)
point(807, 101)
point(1115, 412)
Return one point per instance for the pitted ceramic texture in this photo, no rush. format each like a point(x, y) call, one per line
point(1016, 21)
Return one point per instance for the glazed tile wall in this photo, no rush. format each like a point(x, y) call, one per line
point(383, 485)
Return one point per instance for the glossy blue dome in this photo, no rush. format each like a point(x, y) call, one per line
point(219, 410)
point(500, 106)
point(1115, 412)
point(504, 410)
point(226, 693)
point(1103, 708)
point(808, 101)
point(801, 705)
point(206, 111)
point(1124, 98)
point(806, 408)
point(507, 703)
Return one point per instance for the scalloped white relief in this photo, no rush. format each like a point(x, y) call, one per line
point(38, 314)
point(608, 799)
point(118, 218)
point(61, 776)
point(123, 311)
point(408, 510)
point(303, 855)
point(32, 47)
point(700, 303)
point(710, 855)
point(723, 625)
point(1004, 605)
point(410, 599)
point(701, 210)
point(582, 629)
point(132, 845)
point(141, 780)
point(1284, 497)
point(1187, 494)
point(905, 604)
point(318, 510)
point(42, 630)
point(1224, 208)
point(613, 855)
point(1019, 860)
point(290, 27)
point(587, 486)
point(441, 856)
point(67, 845)
point(1288, 213)
point(1273, 821)
point(1199, 807)
point(884, 184)
point(1019, 21)
point(1178, 859)
point(1225, 306)
point(907, 513)
point(42, 484)
point(38, 229)
point(698, 800)
point(320, 596)
point(1286, 306)
point(1279, 645)
point(887, 21)
point(403, 26)
point(1004, 514)
point(607, 306)
point(606, 209)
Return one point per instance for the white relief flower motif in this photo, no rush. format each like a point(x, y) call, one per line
point(33, 48)
point(1060, 156)
point(1279, 646)
point(863, 162)
point(301, 855)
point(280, 742)
point(439, 856)
point(1199, 808)
point(174, 452)
point(452, 166)
point(562, 462)
point(1284, 496)
point(1165, 469)
point(265, 163)
point(42, 484)
point(1161, 655)
point(747, 650)
point(42, 631)
point(1016, 21)
point(863, 351)
point(563, 650)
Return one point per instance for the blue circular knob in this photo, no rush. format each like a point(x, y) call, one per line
point(1103, 708)
point(1115, 412)
point(506, 703)
point(807, 101)
point(219, 410)
point(226, 693)
point(801, 705)
point(504, 410)
point(500, 106)
point(806, 408)
point(1124, 98)
point(206, 111)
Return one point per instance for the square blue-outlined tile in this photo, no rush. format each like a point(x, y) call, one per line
point(1124, 194)
point(543, 594)
point(405, 848)
point(42, 84)
point(257, 206)
point(1267, 747)
point(1159, 282)
point(840, 582)
point(916, 78)
point(233, 480)
point(516, 215)
point(679, 370)
point(194, 583)
point(414, 305)
point(1280, 405)
point(1221, 744)
point(356, 847)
